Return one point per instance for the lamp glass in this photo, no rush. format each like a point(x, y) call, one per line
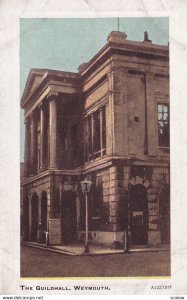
point(86, 185)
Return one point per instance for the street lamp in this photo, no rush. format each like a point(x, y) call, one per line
point(85, 186)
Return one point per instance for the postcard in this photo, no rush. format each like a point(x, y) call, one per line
point(93, 149)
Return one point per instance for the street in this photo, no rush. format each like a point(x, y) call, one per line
point(41, 263)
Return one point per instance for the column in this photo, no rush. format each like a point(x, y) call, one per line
point(39, 207)
point(52, 130)
point(33, 143)
point(30, 215)
point(27, 147)
point(48, 206)
point(110, 136)
point(41, 136)
point(146, 129)
point(39, 236)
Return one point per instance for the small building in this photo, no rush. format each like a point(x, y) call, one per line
point(109, 123)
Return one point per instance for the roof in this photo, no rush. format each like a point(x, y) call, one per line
point(117, 43)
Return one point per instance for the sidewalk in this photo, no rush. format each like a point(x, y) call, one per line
point(78, 249)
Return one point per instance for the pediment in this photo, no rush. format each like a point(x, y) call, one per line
point(34, 79)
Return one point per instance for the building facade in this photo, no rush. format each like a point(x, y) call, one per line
point(109, 122)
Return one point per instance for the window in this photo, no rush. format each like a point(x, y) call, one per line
point(64, 138)
point(74, 140)
point(95, 134)
point(163, 125)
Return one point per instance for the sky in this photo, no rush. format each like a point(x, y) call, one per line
point(64, 44)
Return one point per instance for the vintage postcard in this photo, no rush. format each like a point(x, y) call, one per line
point(95, 206)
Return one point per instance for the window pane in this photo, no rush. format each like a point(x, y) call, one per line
point(160, 108)
point(104, 127)
point(165, 116)
point(87, 138)
point(89, 135)
point(96, 131)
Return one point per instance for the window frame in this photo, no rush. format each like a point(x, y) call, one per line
point(168, 121)
point(89, 153)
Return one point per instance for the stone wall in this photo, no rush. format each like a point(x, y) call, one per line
point(115, 181)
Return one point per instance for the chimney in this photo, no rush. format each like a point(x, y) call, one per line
point(117, 37)
point(81, 66)
point(146, 38)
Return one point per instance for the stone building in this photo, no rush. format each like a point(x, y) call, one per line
point(109, 122)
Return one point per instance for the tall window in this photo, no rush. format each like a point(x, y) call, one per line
point(95, 134)
point(163, 125)
point(74, 140)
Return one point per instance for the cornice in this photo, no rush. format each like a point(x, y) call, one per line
point(129, 48)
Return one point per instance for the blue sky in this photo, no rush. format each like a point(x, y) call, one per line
point(63, 44)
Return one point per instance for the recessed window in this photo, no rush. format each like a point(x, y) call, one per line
point(136, 119)
point(163, 125)
point(74, 141)
point(95, 134)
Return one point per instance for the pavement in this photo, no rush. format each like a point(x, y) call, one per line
point(78, 249)
point(39, 263)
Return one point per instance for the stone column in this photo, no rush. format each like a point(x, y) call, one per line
point(78, 211)
point(41, 136)
point(27, 147)
point(30, 215)
point(48, 206)
point(52, 130)
point(33, 143)
point(110, 137)
point(39, 207)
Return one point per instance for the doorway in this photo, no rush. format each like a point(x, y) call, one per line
point(138, 215)
point(69, 217)
point(34, 217)
point(164, 205)
point(44, 211)
point(25, 219)
point(43, 217)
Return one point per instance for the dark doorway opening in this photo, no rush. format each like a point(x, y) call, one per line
point(25, 220)
point(43, 217)
point(164, 206)
point(138, 215)
point(44, 211)
point(34, 217)
point(69, 217)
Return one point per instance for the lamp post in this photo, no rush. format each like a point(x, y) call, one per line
point(85, 186)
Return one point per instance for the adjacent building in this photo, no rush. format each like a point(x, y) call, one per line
point(109, 123)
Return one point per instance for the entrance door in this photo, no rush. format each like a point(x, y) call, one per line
point(44, 212)
point(25, 220)
point(43, 217)
point(138, 215)
point(69, 217)
point(34, 218)
point(165, 215)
